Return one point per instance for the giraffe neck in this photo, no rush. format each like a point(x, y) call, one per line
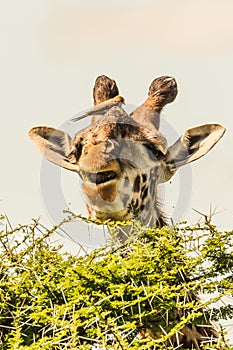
point(148, 208)
point(144, 205)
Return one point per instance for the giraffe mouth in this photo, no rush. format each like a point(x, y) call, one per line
point(100, 177)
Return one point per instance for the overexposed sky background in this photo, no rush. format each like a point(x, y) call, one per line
point(53, 50)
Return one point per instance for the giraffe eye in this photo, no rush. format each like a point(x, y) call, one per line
point(155, 152)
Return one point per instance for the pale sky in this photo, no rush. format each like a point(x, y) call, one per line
point(51, 53)
point(53, 50)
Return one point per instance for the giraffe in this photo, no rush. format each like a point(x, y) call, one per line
point(122, 158)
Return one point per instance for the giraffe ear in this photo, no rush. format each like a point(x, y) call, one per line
point(192, 145)
point(54, 145)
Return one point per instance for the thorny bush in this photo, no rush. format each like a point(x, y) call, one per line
point(103, 300)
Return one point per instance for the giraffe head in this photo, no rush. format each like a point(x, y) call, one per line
point(122, 158)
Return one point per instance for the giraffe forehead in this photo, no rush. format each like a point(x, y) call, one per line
point(116, 123)
point(134, 131)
